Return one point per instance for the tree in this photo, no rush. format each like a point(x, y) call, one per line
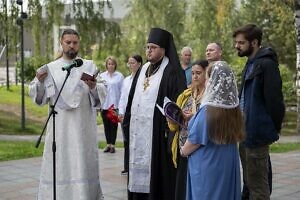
point(10, 25)
point(2, 22)
point(210, 21)
point(35, 25)
point(53, 8)
point(277, 21)
point(9, 28)
point(96, 31)
point(145, 14)
point(297, 26)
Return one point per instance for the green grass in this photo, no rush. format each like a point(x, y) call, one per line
point(10, 124)
point(10, 120)
point(13, 150)
point(12, 97)
point(102, 144)
point(284, 147)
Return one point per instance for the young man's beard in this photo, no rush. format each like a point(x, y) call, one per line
point(247, 53)
point(71, 54)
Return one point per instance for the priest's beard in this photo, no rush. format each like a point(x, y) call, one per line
point(71, 54)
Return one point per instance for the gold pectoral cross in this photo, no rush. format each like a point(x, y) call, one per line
point(146, 83)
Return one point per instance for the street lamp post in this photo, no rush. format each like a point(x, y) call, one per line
point(20, 23)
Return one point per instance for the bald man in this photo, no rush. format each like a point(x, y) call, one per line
point(213, 52)
point(186, 63)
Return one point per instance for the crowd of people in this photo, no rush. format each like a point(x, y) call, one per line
point(198, 159)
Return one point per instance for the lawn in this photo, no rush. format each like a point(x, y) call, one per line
point(284, 147)
point(10, 123)
point(13, 150)
point(10, 109)
point(12, 99)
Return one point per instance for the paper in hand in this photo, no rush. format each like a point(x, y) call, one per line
point(160, 109)
point(42, 69)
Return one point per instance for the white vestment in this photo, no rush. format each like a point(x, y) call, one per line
point(141, 129)
point(77, 169)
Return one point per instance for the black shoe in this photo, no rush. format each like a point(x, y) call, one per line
point(112, 150)
point(124, 172)
point(107, 149)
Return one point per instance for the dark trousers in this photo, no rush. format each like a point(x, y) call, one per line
point(110, 129)
point(257, 172)
point(126, 148)
point(138, 196)
point(180, 190)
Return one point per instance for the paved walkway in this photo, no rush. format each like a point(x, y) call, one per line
point(19, 178)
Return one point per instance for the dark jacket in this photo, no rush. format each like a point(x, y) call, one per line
point(263, 100)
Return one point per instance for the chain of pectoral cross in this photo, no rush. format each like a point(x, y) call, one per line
point(147, 79)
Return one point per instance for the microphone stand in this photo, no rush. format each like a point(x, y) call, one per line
point(53, 113)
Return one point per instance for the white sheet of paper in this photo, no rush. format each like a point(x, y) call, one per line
point(160, 109)
point(166, 100)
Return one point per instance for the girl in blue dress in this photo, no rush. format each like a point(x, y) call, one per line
point(211, 147)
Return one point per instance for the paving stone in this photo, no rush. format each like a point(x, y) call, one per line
point(19, 179)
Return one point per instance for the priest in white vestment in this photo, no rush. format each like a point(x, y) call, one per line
point(77, 168)
point(152, 175)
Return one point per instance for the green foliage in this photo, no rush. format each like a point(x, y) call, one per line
point(54, 8)
point(288, 85)
point(9, 27)
point(237, 68)
point(14, 150)
point(277, 21)
point(2, 24)
point(144, 15)
point(193, 22)
point(289, 126)
point(100, 34)
point(35, 16)
point(210, 21)
point(30, 66)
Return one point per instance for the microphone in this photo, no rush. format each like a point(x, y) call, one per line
point(76, 63)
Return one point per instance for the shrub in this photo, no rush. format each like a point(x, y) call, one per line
point(30, 66)
point(288, 85)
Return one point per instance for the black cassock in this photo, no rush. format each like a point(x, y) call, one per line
point(163, 173)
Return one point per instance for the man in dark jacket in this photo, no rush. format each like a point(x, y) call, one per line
point(261, 101)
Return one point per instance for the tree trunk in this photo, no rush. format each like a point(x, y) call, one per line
point(297, 25)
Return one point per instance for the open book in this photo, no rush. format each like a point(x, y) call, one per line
point(85, 76)
point(172, 111)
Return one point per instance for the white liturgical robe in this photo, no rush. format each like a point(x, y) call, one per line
point(77, 167)
point(140, 145)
